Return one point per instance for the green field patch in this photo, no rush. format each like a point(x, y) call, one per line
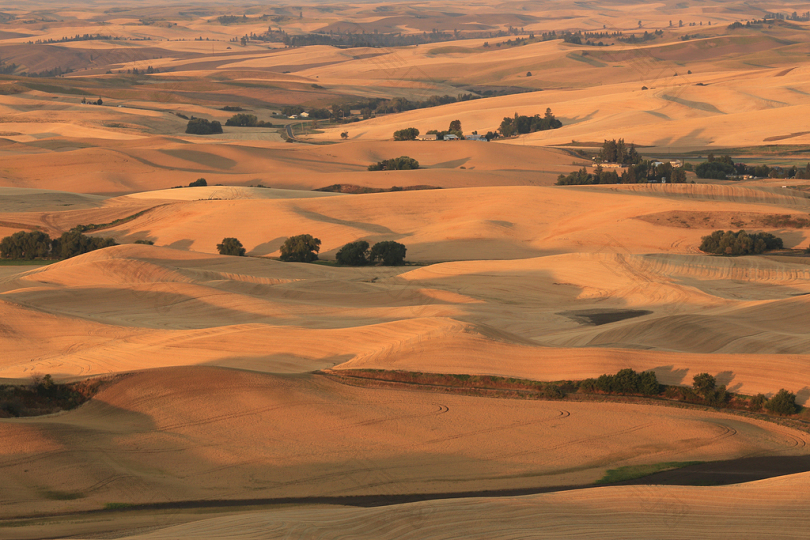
point(699, 105)
point(117, 506)
point(453, 50)
point(53, 89)
point(586, 58)
point(631, 472)
point(20, 262)
point(56, 495)
point(205, 159)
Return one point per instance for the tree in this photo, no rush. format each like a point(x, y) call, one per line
point(74, 243)
point(703, 384)
point(528, 73)
point(200, 182)
point(388, 253)
point(739, 243)
point(782, 403)
point(344, 135)
point(25, 245)
point(408, 134)
point(301, 248)
point(455, 125)
point(353, 254)
point(201, 126)
point(242, 120)
point(231, 246)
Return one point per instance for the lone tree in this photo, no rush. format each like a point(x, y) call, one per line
point(782, 403)
point(231, 246)
point(388, 253)
point(353, 254)
point(301, 248)
point(199, 182)
point(455, 125)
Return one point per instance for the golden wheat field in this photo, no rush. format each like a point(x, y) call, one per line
point(152, 386)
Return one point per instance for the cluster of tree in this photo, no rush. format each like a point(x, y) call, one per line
point(625, 381)
point(528, 124)
point(7, 69)
point(722, 167)
point(704, 390)
point(353, 38)
point(199, 182)
point(357, 253)
point(48, 73)
point(453, 129)
point(305, 248)
point(647, 36)
point(407, 134)
point(587, 38)
point(90, 102)
point(641, 172)
point(38, 245)
point(234, 19)
point(715, 168)
point(246, 120)
point(402, 163)
point(791, 17)
point(232, 108)
point(616, 151)
point(202, 126)
point(739, 243)
point(77, 37)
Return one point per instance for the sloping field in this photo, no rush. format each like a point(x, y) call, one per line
point(481, 223)
point(547, 318)
point(182, 435)
point(750, 511)
point(158, 163)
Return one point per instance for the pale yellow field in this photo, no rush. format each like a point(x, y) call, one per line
point(229, 411)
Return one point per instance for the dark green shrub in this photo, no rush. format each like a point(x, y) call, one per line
point(231, 246)
point(626, 381)
point(147, 242)
point(353, 254)
point(388, 253)
point(301, 248)
point(403, 163)
point(757, 402)
point(782, 403)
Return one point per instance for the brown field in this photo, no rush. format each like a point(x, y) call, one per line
point(223, 413)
